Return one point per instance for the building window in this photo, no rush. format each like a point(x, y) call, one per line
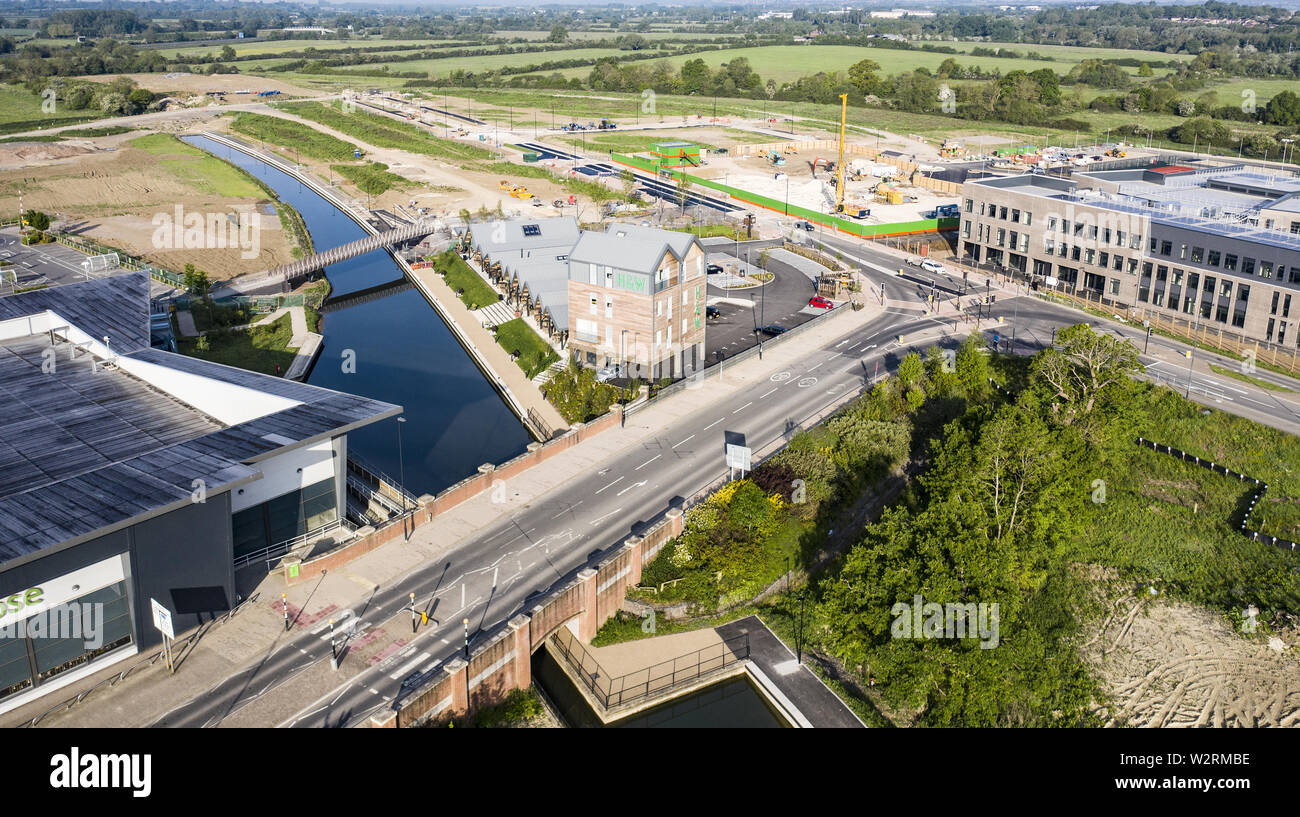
point(1277, 296)
point(1286, 306)
point(1239, 314)
point(1265, 269)
point(1135, 242)
point(1092, 231)
point(1002, 213)
point(1114, 286)
point(1119, 237)
point(1247, 266)
point(1166, 247)
point(1049, 246)
point(1213, 258)
point(1154, 244)
point(1015, 215)
point(970, 205)
point(284, 517)
point(1051, 223)
point(1105, 236)
point(1268, 332)
point(609, 307)
point(1198, 253)
point(1024, 242)
point(1230, 262)
point(965, 229)
point(1026, 218)
point(1103, 260)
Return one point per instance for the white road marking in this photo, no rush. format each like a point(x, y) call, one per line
point(599, 519)
point(615, 482)
point(630, 487)
point(854, 346)
point(742, 408)
point(714, 423)
point(647, 462)
point(761, 396)
point(686, 440)
point(818, 366)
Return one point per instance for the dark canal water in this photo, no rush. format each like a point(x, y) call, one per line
point(730, 704)
point(404, 354)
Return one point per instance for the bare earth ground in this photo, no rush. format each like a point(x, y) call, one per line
point(111, 192)
point(196, 84)
point(1172, 664)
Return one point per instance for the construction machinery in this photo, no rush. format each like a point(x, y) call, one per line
point(606, 124)
point(521, 193)
point(850, 209)
point(830, 166)
point(789, 149)
point(1117, 152)
point(775, 158)
point(885, 194)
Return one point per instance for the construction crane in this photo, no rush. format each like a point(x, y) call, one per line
point(839, 166)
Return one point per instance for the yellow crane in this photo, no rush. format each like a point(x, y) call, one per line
point(839, 168)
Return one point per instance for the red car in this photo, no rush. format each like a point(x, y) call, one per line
point(820, 302)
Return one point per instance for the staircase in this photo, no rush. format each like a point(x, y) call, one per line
point(550, 373)
point(495, 314)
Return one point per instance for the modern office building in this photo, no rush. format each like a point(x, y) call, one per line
point(637, 299)
point(1215, 244)
point(131, 475)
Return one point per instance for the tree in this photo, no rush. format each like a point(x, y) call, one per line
point(1283, 109)
point(227, 53)
point(865, 76)
point(558, 34)
point(1082, 367)
point(196, 281)
point(911, 371)
point(1144, 70)
point(37, 220)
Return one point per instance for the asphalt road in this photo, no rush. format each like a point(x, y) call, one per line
point(500, 572)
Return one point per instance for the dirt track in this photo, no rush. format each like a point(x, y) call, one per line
point(1172, 664)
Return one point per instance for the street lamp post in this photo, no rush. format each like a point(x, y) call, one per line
point(1191, 358)
point(466, 623)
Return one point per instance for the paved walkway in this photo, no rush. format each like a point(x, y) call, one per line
point(248, 637)
point(795, 682)
point(507, 374)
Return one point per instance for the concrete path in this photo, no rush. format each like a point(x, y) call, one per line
point(185, 321)
point(795, 682)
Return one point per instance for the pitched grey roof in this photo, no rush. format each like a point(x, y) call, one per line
point(679, 242)
point(85, 451)
point(629, 253)
point(505, 236)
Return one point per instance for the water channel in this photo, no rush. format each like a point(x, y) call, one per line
point(404, 354)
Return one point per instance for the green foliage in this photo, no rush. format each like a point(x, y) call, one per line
point(371, 177)
point(196, 281)
point(473, 291)
point(577, 395)
point(303, 139)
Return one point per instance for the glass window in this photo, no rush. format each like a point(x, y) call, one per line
point(1247, 266)
point(1213, 258)
point(1198, 253)
point(1265, 269)
point(970, 205)
point(1119, 237)
point(1051, 222)
point(1166, 247)
point(1027, 218)
point(1230, 262)
point(1015, 215)
point(15, 668)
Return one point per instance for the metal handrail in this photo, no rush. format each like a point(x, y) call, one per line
point(380, 476)
point(270, 554)
point(659, 679)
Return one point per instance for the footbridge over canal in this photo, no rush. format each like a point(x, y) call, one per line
point(293, 273)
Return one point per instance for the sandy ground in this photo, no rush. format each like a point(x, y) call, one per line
point(1170, 664)
point(111, 192)
point(186, 85)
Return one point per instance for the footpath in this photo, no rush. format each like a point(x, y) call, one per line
point(306, 343)
point(257, 630)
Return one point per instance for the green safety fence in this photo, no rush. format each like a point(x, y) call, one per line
point(928, 225)
point(91, 247)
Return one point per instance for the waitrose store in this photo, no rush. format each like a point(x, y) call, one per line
point(129, 475)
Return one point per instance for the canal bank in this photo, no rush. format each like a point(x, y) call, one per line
point(524, 398)
point(397, 348)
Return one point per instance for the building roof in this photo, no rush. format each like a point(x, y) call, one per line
point(631, 247)
point(519, 235)
point(115, 434)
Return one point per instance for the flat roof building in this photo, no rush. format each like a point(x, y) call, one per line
point(1218, 244)
point(130, 475)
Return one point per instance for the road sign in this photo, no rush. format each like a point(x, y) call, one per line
point(162, 618)
point(738, 456)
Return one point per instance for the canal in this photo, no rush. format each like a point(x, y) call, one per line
point(403, 353)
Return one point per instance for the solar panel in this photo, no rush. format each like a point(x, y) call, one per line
point(532, 229)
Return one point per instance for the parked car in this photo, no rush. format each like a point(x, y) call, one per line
point(933, 266)
point(914, 260)
point(772, 329)
point(608, 373)
point(805, 225)
point(713, 269)
point(712, 312)
point(820, 302)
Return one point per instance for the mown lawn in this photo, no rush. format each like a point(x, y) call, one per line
point(474, 292)
point(532, 353)
point(257, 349)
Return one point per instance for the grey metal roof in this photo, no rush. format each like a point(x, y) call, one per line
point(631, 247)
point(84, 451)
point(497, 238)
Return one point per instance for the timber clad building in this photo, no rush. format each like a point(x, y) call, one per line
point(637, 298)
point(130, 475)
point(1218, 245)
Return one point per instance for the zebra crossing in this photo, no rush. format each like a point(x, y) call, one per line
point(347, 626)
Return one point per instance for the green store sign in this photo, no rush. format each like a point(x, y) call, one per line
point(631, 282)
point(18, 601)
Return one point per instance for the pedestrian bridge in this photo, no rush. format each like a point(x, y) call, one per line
point(293, 273)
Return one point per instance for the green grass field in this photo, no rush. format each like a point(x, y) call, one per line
point(257, 349)
point(532, 353)
point(280, 46)
point(786, 63)
point(287, 133)
point(372, 177)
point(380, 131)
point(20, 110)
point(444, 66)
point(199, 168)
